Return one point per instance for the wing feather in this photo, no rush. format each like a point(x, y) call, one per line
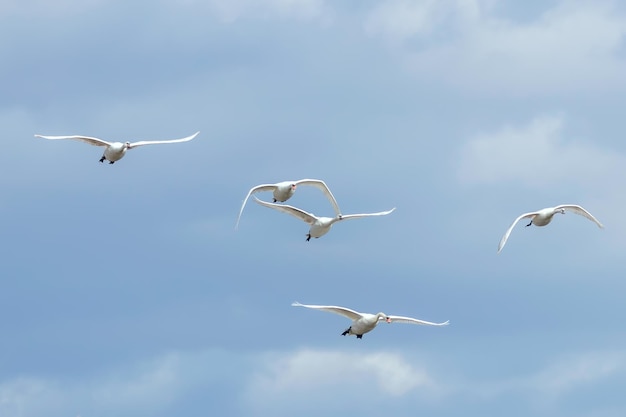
point(294, 211)
point(86, 139)
point(258, 188)
point(356, 216)
point(580, 211)
point(322, 186)
point(346, 312)
point(510, 229)
point(160, 142)
point(411, 320)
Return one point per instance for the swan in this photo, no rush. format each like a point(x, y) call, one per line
point(544, 216)
point(282, 191)
point(114, 151)
point(319, 225)
point(365, 322)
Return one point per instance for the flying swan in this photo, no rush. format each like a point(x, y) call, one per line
point(282, 191)
point(319, 225)
point(364, 322)
point(114, 151)
point(544, 216)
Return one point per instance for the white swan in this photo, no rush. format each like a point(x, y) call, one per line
point(544, 216)
point(319, 225)
point(365, 322)
point(114, 151)
point(283, 191)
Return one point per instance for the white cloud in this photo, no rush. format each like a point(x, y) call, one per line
point(318, 380)
point(138, 389)
point(156, 383)
point(575, 371)
point(571, 47)
point(306, 376)
point(400, 19)
point(232, 10)
point(24, 397)
point(309, 379)
point(536, 155)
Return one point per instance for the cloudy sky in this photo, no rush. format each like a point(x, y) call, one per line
point(125, 290)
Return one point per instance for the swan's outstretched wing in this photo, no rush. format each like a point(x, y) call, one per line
point(322, 186)
point(159, 142)
point(401, 319)
point(258, 188)
point(510, 229)
point(356, 216)
point(346, 312)
point(581, 211)
point(294, 211)
point(86, 139)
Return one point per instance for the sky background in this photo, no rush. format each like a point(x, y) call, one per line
point(125, 290)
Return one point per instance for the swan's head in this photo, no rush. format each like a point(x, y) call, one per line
point(293, 188)
point(561, 210)
point(384, 317)
point(126, 145)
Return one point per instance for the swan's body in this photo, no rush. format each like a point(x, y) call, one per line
point(283, 191)
point(365, 322)
point(319, 225)
point(114, 151)
point(544, 217)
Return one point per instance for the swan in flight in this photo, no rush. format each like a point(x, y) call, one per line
point(365, 322)
point(544, 216)
point(319, 225)
point(283, 191)
point(114, 151)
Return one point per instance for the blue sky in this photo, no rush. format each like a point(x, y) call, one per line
point(126, 291)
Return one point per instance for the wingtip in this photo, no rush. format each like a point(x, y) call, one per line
point(500, 247)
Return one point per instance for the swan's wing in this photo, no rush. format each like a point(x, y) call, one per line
point(86, 139)
point(401, 319)
point(258, 188)
point(581, 211)
point(159, 142)
point(346, 312)
point(510, 229)
point(294, 211)
point(356, 216)
point(322, 186)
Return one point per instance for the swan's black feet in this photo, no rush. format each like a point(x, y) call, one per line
point(359, 336)
point(308, 237)
point(346, 332)
point(102, 159)
point(531, 222)
point(111, 162)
